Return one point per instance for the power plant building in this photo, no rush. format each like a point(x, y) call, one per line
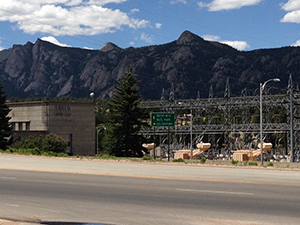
point(73, 121)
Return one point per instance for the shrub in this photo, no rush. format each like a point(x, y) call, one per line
point(234, 162)
point(252, 164)
point(52, 143)
point(178, 160)
point(203, 160)
point(246, 163)
point(50, 153)
point(147, 157)
point(270, 164)
point(62, 155)
point(36, 151)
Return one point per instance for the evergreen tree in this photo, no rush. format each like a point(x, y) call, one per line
point(5, 126)
point(125, 119)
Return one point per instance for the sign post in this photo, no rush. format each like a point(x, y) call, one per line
point(161, 119)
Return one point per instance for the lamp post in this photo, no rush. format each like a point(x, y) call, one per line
point(262, 87)
point(191, 134)
point(92, 96)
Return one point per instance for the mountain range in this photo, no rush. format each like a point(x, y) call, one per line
point(188, 67)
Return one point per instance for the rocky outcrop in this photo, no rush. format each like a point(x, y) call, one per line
point(190, 64)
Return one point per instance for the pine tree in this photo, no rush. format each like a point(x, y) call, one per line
point(5, 126)
point(125, 119)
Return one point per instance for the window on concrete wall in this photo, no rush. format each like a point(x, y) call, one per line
point(27, 125)
point(20, 126)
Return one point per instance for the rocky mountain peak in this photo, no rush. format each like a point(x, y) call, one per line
point(189, 64)
point(109, 47)
point(188, 37)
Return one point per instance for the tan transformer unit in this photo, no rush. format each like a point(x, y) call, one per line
point(186, 153)
point(244, 155)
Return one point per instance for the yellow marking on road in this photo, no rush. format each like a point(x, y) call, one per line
point(154, 177)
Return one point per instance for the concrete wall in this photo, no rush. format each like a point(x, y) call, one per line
point(74, 122)
point(34, 113)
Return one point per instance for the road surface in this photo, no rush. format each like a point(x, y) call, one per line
point(63, 190)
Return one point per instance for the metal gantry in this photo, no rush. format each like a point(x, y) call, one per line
point(232, 122)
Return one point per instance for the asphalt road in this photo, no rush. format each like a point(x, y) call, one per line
point(45, 189)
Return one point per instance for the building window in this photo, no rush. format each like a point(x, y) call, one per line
point(13, 126)
point(27, 125)
point(20, 126)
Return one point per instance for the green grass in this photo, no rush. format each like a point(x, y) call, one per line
point(203, 160)
point(179, 160)
point(234, 162)
point(148, 158)
point(34, 151)
point(106, 156)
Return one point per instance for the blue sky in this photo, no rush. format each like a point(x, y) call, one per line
point(243, 24)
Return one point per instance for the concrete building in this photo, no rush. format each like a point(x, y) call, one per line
point(73, 121)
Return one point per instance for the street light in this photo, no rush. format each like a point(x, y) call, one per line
point(92, 96)
point(262, 87)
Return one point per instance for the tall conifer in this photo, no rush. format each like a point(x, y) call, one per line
point(5, 126)
point(125, 119)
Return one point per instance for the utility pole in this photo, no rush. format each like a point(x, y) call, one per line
point(291, 119)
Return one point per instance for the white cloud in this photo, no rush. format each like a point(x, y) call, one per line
point(67, 17)
point(239, 45)
point(293, 9)
point(147, 38)
point(211, 37)
point(73, 2)
point(158, 25)
point(217, 5)
point(88, 48)
point(178, 1)
point(134, 11)
point(53, 40)
point(131, 43)
point(297, 44)
point(291, 17)
point(104, 2)
point(291, 5)
point(135, 23)
point(69, 2)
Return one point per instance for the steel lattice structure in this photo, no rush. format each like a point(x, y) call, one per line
point(225, 116)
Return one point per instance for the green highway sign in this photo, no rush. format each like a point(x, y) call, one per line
point(159, 119)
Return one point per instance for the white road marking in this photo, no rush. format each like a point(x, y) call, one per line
point(7, 178)
point(53, 211)
point(13, 205)
point(216, 192)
